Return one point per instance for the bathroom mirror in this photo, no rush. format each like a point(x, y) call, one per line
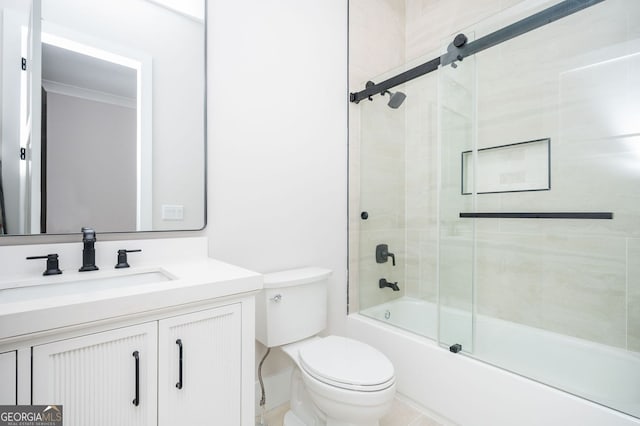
point(103, 121)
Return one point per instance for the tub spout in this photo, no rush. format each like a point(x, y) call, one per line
point(382, 283)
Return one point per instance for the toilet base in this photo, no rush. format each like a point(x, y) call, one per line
point(304, 412)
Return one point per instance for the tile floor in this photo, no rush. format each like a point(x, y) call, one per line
point(401, 414)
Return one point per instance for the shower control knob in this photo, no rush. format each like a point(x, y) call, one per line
point(383, 254)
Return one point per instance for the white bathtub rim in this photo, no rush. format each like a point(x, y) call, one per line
point(596, 411)
point(617, 351)
point(624, 399)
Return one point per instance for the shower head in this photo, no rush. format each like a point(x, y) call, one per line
point(395, 98)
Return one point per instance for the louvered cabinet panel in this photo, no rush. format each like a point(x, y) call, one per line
point(102, 379)
point(199, 374)
point(8, 371)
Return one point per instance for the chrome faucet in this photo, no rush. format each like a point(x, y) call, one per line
point(89, 250)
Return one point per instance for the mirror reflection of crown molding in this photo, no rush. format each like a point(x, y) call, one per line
point(88, 94)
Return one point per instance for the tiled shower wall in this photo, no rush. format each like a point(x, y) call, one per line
point(580, 278)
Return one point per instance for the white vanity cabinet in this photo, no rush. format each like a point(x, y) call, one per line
point(71, 339)
point(199, 358)
point(8, 372)
point(105, 378)
point(184, 367)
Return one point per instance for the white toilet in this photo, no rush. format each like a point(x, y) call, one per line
point(336, 381)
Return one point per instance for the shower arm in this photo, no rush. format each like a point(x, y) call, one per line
point(375, 89)
point(459, 49)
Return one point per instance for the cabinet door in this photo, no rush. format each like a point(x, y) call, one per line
point(8, 371)
point(202, 387)
point(101, 379)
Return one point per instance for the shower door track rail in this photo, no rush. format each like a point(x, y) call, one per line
point(460, 49)
point(552, 215)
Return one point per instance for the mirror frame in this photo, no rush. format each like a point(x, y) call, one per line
point(8, 239)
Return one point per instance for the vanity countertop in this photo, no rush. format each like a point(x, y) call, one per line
point(189, 282)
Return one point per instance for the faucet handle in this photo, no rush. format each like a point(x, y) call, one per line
point(383, 254)
point(52, 264)
point(122, 258)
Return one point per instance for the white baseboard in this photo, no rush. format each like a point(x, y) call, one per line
point(276, 390)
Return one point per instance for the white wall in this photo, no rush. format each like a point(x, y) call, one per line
point(277, 121)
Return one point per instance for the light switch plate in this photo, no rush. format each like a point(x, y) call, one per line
point(172, 212)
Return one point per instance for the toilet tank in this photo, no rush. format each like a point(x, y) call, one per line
point(292, 306)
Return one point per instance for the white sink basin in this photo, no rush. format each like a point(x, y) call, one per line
point(77, 286)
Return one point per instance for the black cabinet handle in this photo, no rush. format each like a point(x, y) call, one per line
point(179, 384)
point(136, 400)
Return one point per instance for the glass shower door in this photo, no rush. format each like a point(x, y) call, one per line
point(456, 95)
point(381, 205)
point(545, 148)
point(397, 210)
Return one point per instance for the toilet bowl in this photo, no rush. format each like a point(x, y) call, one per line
point(349, 382)
point(336, 381)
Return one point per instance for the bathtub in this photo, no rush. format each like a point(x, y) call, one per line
point(407, 313)
point(473, 392)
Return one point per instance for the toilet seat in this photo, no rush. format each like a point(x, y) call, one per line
point(347, 364)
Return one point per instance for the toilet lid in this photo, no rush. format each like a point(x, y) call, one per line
point(347, 363)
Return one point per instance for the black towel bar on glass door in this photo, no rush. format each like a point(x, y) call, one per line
point(552, 215)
